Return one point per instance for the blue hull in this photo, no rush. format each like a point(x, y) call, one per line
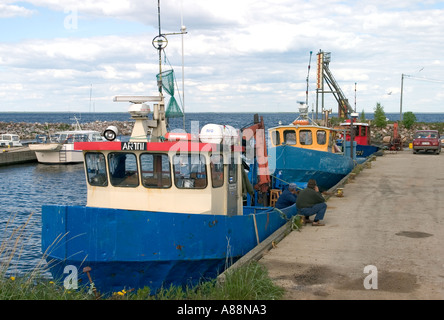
point(133, 249)
point(293, 164)
point(363, 151)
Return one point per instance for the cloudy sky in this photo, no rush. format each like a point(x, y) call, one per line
point(240, 55)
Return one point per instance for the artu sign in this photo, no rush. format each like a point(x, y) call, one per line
point(133, 146)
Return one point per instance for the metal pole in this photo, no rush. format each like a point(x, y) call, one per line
point(400, 103)
point(308, 74)
point(160, 50)
point(182, 29)
point(352, 136)
point(355, 96)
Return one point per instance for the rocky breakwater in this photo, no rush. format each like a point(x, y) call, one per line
point(28, 131)
point(384, 135)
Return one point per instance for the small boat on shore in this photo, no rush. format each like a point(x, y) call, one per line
point(302, 150)
point(10, 140)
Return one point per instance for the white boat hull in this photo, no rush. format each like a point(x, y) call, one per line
point(57, 153)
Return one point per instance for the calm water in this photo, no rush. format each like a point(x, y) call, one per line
point(23, 191)
point(25, 188)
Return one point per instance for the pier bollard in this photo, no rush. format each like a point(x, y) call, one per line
point(339, 192)
point(351, 177)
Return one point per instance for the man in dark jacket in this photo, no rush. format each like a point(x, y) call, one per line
point(288, 197)
point(311, 202)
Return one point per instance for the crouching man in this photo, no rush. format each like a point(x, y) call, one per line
point(311, 202)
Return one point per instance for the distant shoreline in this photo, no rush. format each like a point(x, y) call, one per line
point(197, 112)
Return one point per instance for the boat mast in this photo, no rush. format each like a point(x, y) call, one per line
point(308, 74)
point(160, 45)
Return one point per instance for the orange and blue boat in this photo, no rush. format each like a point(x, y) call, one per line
point(302, 150)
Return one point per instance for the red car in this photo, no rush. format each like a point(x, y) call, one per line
point(425, 140)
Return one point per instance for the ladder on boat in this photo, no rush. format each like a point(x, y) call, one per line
point(62, 155)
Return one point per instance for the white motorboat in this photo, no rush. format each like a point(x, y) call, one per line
point(59, 149)
point(10, 140)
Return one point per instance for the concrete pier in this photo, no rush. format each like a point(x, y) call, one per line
point(382, 240)
point(16, 155)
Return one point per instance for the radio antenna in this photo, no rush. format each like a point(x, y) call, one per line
point(159, 42)
point(308, 74)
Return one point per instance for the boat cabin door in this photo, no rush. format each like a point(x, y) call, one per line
point(232, 185)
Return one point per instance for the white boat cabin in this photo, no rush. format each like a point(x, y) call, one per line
point(177, 175)
point(11, 140)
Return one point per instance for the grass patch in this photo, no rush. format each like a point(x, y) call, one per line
point(248, 282)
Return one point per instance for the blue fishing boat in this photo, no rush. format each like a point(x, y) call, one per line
point(164, 208)
point(157, 213)
point(302, 150)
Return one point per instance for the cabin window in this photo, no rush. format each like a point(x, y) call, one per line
point(305, 137)
point(321, 137)
point(123, 169)
point(363, 131)
point(217, 170)
point(190, 171)
point(155, 170)
point(96, 169)
point(290, 137)
point(275, 138)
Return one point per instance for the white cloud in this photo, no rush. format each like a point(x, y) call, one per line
point(10, 11)
point(239, 55)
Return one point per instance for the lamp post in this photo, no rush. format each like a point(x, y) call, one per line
point(400, 103)
point(353, 117)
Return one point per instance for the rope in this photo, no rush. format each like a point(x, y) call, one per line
point(285, 181)
point(295, 220)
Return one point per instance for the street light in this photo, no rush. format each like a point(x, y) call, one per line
point(400, 103)
point(353, 117)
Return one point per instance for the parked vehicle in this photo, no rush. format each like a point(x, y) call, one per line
point(442, 141)
point(425, 140)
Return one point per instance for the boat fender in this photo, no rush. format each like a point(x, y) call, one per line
point(301, 122)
